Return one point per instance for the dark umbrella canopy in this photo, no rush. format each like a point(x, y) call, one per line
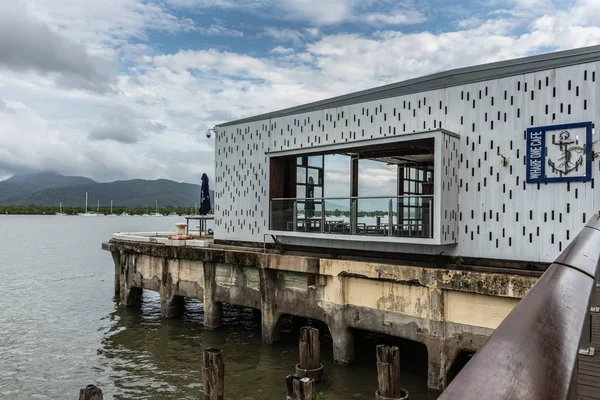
point(204, 196)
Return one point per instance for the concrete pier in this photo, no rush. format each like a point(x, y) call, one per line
point(447, 310)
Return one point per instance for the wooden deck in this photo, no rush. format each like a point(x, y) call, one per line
point(588, 367)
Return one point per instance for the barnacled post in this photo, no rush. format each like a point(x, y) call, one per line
point(299, 388)
point(388, 373)
point(289, 383)
point(310, 349)
point(213, 374)
point(90, 392)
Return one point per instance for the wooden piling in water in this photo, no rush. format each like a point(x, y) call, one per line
point(213, 374)
point(310, 354)
point(299, 388)
point(310, 348)
point(388, 373)
point(91, 392)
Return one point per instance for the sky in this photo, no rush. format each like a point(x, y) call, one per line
point(119, 89)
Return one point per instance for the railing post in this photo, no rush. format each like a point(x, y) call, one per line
point(585, 347)
point(295, 227)
point(430, 228)
point(390, 218)
point(322, 215)
point(585, 343)
point(353, 216)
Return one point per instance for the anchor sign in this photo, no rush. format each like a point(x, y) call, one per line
point(572, 155)
point(559, 153)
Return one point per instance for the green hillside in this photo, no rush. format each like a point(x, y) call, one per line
point(21, 185)
point(135, 193)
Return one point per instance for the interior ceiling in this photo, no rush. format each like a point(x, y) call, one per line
point(417, 159)
point(414, 152)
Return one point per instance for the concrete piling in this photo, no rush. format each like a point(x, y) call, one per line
point(212, 308)
point(343, 342)
point(422, 305)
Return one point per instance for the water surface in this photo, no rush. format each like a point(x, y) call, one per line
point(61, 329)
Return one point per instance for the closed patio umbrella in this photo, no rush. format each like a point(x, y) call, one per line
point(205, 206)
point(204, 196)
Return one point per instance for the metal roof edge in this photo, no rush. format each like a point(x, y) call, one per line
point(325, 148)
point(441, 80)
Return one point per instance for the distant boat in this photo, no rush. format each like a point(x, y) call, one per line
point(125, 214)
point(146, 214)
point(88, 213)
point(156, 213)
point(60, 213)
point(111, 211)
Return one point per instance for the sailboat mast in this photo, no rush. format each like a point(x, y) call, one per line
point(86, 201)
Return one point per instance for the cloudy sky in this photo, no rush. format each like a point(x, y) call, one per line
point(117, 89)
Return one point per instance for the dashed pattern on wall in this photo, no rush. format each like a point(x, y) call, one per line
point(499, 215)
point(449, 189)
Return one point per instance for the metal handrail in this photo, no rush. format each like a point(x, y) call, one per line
point(418, 196)
point(417, 229)
point(533, 353)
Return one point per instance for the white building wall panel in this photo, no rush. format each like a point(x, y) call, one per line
point(499, 215)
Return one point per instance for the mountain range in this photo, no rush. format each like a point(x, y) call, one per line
point(50, 189)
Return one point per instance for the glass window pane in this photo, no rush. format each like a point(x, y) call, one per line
point(301, 175)
point(315, 161)
point(313, 176)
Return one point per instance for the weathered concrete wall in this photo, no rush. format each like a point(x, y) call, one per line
point(446, 310)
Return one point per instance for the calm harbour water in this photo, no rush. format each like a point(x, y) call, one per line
point(61, 329)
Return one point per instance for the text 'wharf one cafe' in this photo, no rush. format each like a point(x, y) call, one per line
point(494, 162)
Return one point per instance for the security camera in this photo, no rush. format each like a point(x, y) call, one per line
point(209, 133)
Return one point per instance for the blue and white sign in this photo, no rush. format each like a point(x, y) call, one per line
point(559, 153)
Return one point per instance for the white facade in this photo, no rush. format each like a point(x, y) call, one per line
point(499, 215)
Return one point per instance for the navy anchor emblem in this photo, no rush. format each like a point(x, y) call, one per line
point(572, 155)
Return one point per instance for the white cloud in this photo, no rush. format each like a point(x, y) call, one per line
point(161, 104)
point(109, 24)
point(220, 30)
point(284, 35)
point(282, 50)
point(320, 12)
point(120, 126)
point(469, 22)
point(394, 18)
point(26, 43)
point(312, 32)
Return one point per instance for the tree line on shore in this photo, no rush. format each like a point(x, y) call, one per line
point(48, 210)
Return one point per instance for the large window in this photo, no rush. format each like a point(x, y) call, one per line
point(380, 191)
point(396, 187)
